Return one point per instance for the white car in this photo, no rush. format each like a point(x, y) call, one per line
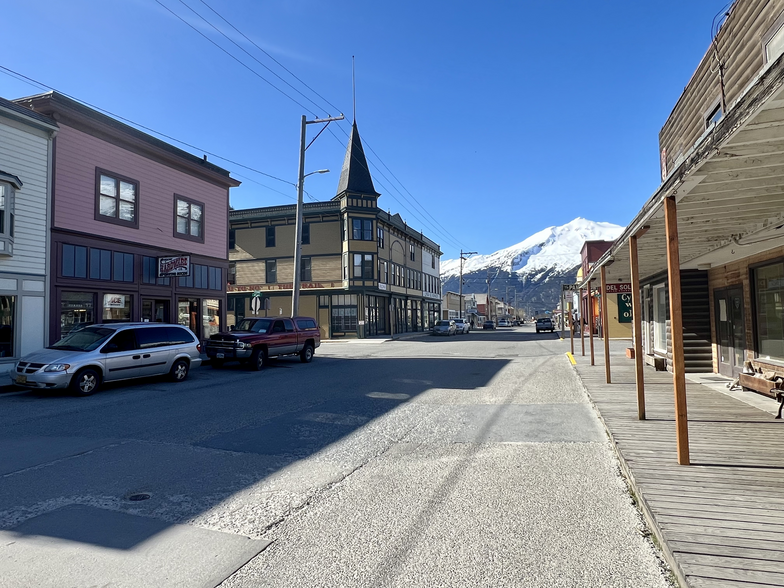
point(462, 326)
point(504, 323)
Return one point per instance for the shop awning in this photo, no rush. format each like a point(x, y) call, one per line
point(729, 191)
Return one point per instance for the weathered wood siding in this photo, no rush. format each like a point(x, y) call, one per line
point(77, 157)
point(740, 45)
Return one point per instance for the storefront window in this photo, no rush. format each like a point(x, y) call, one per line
point(660, 318)
point(7, 325)
point(211, 316)
point(769, 287)
point(187, 314)
point(76, 311)
point(117, 308)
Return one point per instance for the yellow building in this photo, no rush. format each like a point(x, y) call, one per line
point(364, 271)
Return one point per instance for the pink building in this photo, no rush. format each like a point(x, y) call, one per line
point(139, 228)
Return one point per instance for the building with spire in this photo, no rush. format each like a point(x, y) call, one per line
point(364, 271)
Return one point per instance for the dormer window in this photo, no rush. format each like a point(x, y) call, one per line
point(8, 186)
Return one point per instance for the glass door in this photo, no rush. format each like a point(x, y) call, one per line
point(155, 311)
point(730, 330)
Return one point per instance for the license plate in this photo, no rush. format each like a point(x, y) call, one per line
point(219, 356)
point(21, 379)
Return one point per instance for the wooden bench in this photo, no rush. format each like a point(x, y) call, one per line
point(765, 387)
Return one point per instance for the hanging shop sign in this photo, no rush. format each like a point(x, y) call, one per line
point(619, 288)
point(174, 267)
point(624, 308)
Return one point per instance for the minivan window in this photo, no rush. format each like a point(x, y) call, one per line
point(122, 341)
point(87, 339)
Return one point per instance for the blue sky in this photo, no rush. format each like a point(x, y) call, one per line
point(495, 119)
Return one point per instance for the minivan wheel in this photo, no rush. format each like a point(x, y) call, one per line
point(86, 382)
point(306, 355)
point(259, 359)
point(179, 370)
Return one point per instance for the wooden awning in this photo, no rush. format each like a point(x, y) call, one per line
point(729, 191)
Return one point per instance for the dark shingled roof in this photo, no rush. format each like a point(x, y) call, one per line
point(26, 112)
point(355, 175)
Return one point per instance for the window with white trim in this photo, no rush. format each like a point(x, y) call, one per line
point(7, 194)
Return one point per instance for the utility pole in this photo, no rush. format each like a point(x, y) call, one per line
point(300, 190)
point(463, 256)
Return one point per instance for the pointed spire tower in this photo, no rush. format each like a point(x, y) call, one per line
point(355, 175)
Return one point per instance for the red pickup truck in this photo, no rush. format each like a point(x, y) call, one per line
point(255, 340)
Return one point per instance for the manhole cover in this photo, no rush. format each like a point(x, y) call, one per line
point(138, 497)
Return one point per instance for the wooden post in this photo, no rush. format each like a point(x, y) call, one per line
point(637, 317)
point(582, 321)
point(571, 325)
point(676, 330)
point(605, 325)
point(590, 321)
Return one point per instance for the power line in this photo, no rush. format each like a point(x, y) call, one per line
point(235, 58)
point(23, 77)
point(241, 48)
point(270, 56)
point(444, 232)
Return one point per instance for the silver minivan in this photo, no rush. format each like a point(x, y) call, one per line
point(83, 359)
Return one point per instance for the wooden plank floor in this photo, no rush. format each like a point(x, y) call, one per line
point(720, 521)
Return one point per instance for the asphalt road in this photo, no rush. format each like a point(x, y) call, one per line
point(465, 461)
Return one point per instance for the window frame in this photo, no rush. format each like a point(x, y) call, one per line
point(267, 271)
point(305, 234)
point(188, 236)
point(656, 325)
point(117, 220)
point(306, 269)
point(380, 235)
point(267, 231)
point(365, 234)
point(412, 251)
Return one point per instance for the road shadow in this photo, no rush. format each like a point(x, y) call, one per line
point(501, 334)
point(203, 440)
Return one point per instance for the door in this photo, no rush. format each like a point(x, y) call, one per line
point(155, 311)
point(290, 344)
point(122, 358)
point(155, 347)
point(188, 314)
point(730, 330)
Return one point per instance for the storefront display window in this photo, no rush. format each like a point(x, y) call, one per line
point(7, 325)
point(187, 314)
point(117, 308)
point(769, 288)
point(76, 311)
point(211, 316)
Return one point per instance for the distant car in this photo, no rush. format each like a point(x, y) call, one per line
point(544, 324)
point(445, 328)
point(462, 326)
point(504, 323)
point(488, 325)
point(85, 359)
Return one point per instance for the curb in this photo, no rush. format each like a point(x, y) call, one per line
point(642, 503)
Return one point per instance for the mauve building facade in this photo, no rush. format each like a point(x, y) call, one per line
point(123, 202)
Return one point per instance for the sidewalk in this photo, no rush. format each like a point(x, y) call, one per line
point(720, 521)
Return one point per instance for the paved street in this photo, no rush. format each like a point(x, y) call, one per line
point(464, 461)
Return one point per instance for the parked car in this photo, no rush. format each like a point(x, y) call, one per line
point(255, 340)
point(504, 323)
point(445, 328)
point(544, 324)
point(488, 325)
point(84, 359)
point(462, 326)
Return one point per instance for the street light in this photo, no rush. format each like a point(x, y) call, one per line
point(300, 188)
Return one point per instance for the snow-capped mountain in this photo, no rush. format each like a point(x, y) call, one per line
point(553, 248)
point(533, 270)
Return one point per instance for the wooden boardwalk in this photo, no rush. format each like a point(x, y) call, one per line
point(719, 521)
